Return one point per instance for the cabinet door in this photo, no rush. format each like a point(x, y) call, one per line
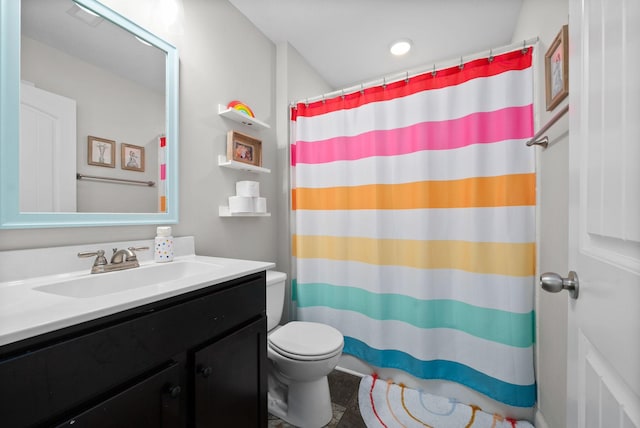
point(153, 402)
point(231, 379)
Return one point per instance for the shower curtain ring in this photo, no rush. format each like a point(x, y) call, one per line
point(306, 102)
point(362, 89)
point(406, 79)
point(461, 66)
point(524, 47)
point(434, 72)
point(490, 55)
point(384, 82)
point(342, 94)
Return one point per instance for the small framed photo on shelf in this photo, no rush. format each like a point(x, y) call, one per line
point(244, 148)
point(101, 152)
point(132, 157)
point(556, 67)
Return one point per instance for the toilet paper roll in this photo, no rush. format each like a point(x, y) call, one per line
point(240, 204)
point(248, 188)
point(260, 205)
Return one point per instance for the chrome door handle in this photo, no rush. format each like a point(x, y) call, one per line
point(552, 282)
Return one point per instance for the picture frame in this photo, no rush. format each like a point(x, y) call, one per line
point(132, 157)
point(556, 66)
point(101, 152)
point(244, 148)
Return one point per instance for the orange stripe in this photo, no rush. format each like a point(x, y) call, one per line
point(163, 204)
point(406, 409)
point(499, 191)
point(389, 406)
point(474, 409)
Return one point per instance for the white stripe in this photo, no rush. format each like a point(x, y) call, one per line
point(485, 94)
point(499, 224)
point(507, 363)
point(505, 157)
point(507, 293)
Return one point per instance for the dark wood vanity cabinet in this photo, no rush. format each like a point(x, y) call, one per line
point(194, 360)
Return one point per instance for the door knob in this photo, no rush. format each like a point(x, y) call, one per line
point(554, 283)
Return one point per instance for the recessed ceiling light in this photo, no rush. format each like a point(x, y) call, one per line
point(401, 47)
point(85, 15)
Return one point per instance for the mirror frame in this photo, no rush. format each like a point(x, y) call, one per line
point(10, 215)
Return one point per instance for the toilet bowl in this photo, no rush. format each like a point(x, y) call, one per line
point(301, 354)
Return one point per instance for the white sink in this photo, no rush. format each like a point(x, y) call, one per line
point(94, 285)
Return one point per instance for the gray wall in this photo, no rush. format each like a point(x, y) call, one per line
point(296, 80)
point(544, 18)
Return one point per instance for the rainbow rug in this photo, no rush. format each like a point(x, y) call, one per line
point(386, 404)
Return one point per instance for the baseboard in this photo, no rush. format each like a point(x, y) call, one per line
point(351, 372)
point(540, 421)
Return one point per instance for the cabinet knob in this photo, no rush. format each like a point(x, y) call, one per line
point(205, 371)
point(174, 391)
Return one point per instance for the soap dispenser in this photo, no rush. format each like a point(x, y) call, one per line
point(163, 248)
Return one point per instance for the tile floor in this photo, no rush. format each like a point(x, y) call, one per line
point(344, 395)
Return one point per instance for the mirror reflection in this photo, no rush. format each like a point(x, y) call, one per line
point(92, 106)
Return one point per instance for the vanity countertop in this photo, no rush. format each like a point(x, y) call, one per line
point(27, 311)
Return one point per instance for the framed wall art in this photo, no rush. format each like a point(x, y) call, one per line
point(244, 148)
point(132, 157)
point(101, 152)
point(556, 67)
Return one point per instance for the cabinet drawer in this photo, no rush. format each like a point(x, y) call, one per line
point(54, 379)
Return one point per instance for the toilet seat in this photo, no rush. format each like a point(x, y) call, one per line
point(306, 341)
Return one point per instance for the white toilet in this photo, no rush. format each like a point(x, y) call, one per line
point(301, 355)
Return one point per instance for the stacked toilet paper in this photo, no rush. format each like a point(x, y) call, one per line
point(247, 199)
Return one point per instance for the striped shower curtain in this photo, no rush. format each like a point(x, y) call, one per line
point(413, 224)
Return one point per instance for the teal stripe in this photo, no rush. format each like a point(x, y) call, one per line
point(509, 328)
point(511, 394)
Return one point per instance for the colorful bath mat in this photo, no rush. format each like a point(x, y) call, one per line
point(386, 404)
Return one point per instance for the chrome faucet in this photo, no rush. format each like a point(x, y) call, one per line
point(124, 258)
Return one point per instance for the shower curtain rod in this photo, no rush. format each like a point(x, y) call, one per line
point(409, 74)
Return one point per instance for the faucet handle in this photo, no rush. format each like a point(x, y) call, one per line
point(134, 249)
point(101, 260)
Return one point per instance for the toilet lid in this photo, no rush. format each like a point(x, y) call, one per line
point(306, 339)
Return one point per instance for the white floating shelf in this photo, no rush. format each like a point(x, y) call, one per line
point(223, 211)
point(237, 116)
point(224, 162)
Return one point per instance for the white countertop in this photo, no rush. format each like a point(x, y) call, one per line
point(26, 312)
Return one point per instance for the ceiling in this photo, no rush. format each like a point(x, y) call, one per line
point(65, 27)
point(347, 41)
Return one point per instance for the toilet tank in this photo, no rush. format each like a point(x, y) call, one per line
point(275, 297)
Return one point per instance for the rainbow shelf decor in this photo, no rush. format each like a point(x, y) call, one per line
point(241, 107)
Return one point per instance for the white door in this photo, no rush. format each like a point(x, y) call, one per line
point(604, 214)
point(47, 151)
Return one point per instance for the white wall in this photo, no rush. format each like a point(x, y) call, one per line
point(223, 57)
point(544, 18)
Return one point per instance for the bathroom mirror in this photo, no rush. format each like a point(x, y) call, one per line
point(88, 118)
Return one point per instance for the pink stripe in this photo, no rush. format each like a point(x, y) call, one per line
point(293, 154)
point(477, 128)
point(163, 172)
